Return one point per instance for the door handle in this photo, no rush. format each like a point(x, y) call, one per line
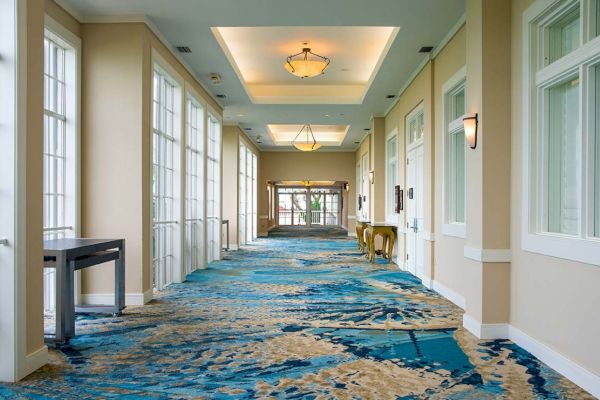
point(415, 227)
point(4, 242)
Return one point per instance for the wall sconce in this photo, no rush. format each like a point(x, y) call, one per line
point(346, 187)
point(470, 124)
point(371, 176)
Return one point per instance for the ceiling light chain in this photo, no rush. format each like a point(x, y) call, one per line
point(306, 146)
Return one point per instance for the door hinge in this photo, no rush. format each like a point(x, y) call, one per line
point(407, 256)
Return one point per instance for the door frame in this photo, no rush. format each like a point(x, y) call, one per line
point(308, 192)
point(410, 147)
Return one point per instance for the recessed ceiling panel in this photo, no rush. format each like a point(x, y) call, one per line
point(326, 135)
point(258, 54)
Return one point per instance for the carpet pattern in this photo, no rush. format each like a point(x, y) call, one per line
point(297, 318)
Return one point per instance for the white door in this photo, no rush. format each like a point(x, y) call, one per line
point(414, 211)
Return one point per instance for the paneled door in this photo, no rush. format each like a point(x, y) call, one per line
point(414, 211)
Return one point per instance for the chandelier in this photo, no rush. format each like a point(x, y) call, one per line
point(309, 144)
point(304, 67)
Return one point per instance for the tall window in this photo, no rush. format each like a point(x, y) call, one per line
point(166, 121)
point(365, 186)
point(60, 147)
point(194, 222)
point(454, 157)
point(213, 189)
point(391, 175)
point(248, 195)
point(562, 164)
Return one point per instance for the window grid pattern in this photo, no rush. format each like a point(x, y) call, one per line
point(391, 173)
point(565, 156)
point(455, 183)
point(213, 190)
point(54, 157)
point(194, 223)
point(163, 172)
point(248, 195)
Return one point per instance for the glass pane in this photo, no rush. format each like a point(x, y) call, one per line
point(459, 176)
point(457, 104)
point(563, 34)
point(563, 154)
point(596, 157)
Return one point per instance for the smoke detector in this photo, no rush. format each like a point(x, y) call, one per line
point(259, 139)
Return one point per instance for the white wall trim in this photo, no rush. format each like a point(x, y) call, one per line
point(351, 234)
point(587, 380)
point(35, 360)
point(351, 216)
point(233, 247)
point(263, 217)
point(131, 299)
point(427, 282)
point(487, 255)
point(449, 294)
point(124, 19)
point(455, 28)
point(455, 230)
point(485, 331)
point(445, 40)
point(582, 377)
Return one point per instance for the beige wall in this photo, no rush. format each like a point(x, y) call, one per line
point(231, 187)
point(313, 166)
point(116, 144)
point(34, 175)
point(451, 268)
point(113, 147)
point(552, 300)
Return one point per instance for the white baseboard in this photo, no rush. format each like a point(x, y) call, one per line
point(485, 331)
point(426, 281)
point(587, 380)
point(131, 299)
point(234, 247)
point(351, 234)
point(449, 294)
point(33, 361)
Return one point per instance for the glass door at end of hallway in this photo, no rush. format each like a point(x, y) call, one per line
point(308, 207)
point(291, 203)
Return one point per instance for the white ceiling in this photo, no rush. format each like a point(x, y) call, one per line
point(258, 54)
point(190, 23)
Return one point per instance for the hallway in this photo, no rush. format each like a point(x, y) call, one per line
point(291, 317)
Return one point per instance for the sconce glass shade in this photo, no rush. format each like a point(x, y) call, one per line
point(470, 125)
point(371, 176)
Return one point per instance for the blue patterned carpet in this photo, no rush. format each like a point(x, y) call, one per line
point(297, 318)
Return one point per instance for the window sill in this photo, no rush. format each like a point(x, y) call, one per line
point(573, 249)
point(456, 230)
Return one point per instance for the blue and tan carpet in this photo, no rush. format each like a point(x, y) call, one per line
point(291, 317)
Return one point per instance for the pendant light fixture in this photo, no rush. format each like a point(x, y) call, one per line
point(309, 144)
point(306, 64)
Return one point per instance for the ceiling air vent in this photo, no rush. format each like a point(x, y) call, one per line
point(183, 49)
point(215, 78)
point(390, 96)
point(221, 96)
point(426, 49)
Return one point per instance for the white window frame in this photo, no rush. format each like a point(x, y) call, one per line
point(455, 229)
point(536, 78)
point(366, 185)
point(214, 240)
point(248, 199)
point(176, 273)
point(195, 221)
point(71, 44)
point(390, 215)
